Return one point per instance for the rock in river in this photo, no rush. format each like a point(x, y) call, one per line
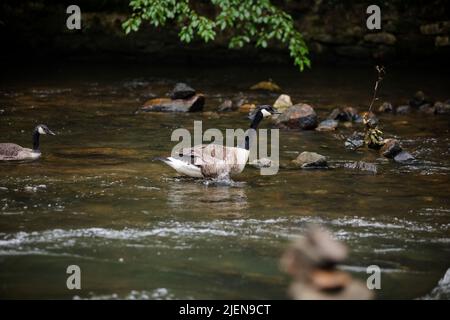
point(310, 160)
point(403, 156)
point(327, 125)
point(193, 104)
point(345, 114)
point(300, 116)
point(440, 108)
point(247, 107)
point(418, 99)
point(283, 102)
point(226, 105)
point(386, 107)
point(261, 163)
point(427, 109)
point(362, 166)
point(391, 148)
point(182, 91)
point(266, 86)
point(355, 141)
point(403, 109)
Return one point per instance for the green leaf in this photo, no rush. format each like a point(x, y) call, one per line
point(245, 21)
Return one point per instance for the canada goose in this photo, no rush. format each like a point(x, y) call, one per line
point(11, 151)
point(217, 161)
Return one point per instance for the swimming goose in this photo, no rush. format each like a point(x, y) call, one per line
point(217, 161)
point(11, 151)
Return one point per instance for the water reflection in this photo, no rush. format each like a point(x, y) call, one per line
point(185, 194)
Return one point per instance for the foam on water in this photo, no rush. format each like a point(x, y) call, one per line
point(442, 290)
point(157, 294)
point(182, 234)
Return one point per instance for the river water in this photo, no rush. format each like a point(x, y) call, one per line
point(97, 200)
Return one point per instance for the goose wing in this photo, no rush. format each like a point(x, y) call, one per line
point(9, 151)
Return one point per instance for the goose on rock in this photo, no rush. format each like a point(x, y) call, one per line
point(12, 151)
point(218, 161)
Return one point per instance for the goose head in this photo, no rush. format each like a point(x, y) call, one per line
point(43, 129)
point(263, 111)
point(260, 112)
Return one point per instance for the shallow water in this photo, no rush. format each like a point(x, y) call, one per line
point(97, 200)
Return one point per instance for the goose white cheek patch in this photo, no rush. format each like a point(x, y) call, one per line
point(41, 131)
point(265, 113)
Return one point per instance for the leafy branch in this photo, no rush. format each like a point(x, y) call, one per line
point(252, 21)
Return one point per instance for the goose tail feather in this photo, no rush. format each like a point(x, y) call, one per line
point(182, 167)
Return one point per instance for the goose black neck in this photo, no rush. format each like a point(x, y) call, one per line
point(256, 120)
point(36, 140)
point(253, 126)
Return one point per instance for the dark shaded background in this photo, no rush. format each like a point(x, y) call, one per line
point(335, 32)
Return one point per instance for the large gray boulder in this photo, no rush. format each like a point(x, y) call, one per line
point(301, 116)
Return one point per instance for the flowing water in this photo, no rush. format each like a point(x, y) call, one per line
point(97, 200)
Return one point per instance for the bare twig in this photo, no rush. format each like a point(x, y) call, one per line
point(381, 72)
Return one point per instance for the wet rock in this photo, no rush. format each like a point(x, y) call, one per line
point(192, 104)
point(427, 109)
point(315, 250)
point(418, 100)
point(381, 38)
point(283, 102)
point(261, 163)
point(327, 125)
point(391, 148)
point(300, 116)
point(312, 260)
point(404, 156)
point(362, 166)
point(330, 279)
point(403, 109)
point(247, 107)
point(334, 114)
point(355, 141)
point(345, 114)
point(386, 107)
point(239, 100)
point(226, 105)
point(442, 108)
point(435, 28)
point(181, 91)
point(442, 41)
point(233, 104)
point(310, 160)
point(266, 86)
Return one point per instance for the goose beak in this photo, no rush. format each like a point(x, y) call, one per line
point(50, 132)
